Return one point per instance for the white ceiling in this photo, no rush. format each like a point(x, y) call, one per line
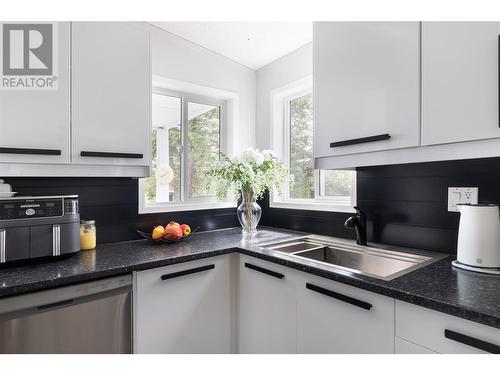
point(253, 44)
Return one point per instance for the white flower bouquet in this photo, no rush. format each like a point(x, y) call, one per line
point(250, 174)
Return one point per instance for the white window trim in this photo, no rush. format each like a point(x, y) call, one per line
point(176, 207)
point(280, 138)
point(190, 204)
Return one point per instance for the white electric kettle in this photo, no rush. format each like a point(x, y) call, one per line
point(479, 238)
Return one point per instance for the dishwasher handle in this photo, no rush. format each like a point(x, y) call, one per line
point(60, 297)
point(55, 305)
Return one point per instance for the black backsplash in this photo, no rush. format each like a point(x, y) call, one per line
point(317, 222)
point(406, 205)
point(113, 203)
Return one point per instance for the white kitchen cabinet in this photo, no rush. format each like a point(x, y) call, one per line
point(444, 333)
point(183, 308)
point(111, 94)
point(34, 123)
point(267, 307)
point(407, 347)
point(336, 318)
point(366, 84)
point(460, 99)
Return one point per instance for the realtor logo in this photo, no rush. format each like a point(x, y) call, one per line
point(28, 56)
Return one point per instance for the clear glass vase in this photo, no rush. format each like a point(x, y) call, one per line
point(248, 212)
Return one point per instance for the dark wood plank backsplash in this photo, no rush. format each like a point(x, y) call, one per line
point(406, 205)
point(113, 203)
point(317, 222)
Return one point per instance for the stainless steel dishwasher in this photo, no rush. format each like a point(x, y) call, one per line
point(92, 317)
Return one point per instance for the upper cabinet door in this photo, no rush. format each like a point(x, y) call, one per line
point(34, 93)
point(366, 86)
point(459, 81)
point(111, 94)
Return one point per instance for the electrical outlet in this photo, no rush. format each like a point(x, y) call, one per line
point(461, 195)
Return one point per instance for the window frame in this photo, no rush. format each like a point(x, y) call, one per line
point(319, 202)
point(197, 203)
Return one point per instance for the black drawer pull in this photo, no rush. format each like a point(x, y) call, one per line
point(29, 151)
point(471, 341)
point(187, 272)
point(263, 270)
point(341, 297)
point(357, 141)
point(97, 154)
point(55, 305)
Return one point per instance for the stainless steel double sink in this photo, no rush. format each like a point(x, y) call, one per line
point(379, 262)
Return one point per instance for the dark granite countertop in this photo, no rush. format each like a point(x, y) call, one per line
point(118, 258)
point(438, 286)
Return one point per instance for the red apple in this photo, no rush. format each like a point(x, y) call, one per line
point(173, 229)
point(185, 229)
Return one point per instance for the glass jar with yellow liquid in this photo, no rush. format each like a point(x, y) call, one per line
point(87, 234)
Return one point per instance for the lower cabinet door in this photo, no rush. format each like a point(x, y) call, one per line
point(444, 333)
point(407, 347)
point(267, 307)
point(183, 308)
point(337, 318)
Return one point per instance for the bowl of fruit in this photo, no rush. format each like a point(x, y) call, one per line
point(172, 232)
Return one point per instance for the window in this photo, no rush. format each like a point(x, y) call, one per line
point(332, 190)
point(187, 136)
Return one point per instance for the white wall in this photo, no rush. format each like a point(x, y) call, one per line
point(295, 66)
point(175, 58)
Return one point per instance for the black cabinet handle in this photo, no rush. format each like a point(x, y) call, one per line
point(187, 272)
point(55, 305)
point(263, 270)
point(29, 151)
point(356, 141)
point(471, 341)
point(341, 297)
point(98, 154)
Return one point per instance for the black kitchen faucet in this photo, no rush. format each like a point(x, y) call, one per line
point(358, 222)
